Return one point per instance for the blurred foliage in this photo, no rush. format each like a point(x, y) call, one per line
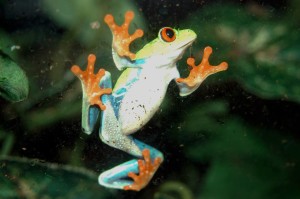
point(173, 190)
point(211, 150)
point(263, 50)
point(13, 81)
point(7, 141)
point(81, 16)
point(29, 178)
point(243, 158)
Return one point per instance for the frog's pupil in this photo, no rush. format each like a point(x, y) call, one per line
point(170, 33)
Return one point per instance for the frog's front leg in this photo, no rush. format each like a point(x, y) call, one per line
point(91, 93)
point(199, 73)
point(122, 40)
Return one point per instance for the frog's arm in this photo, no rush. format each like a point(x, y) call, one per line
point(122, 40)
point(92, 92)
point(199, 73)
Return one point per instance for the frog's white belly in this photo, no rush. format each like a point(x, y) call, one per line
point(141, 101)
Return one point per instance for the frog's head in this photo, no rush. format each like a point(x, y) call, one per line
point(169, 46)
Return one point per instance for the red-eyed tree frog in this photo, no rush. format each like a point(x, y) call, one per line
point(137, 95)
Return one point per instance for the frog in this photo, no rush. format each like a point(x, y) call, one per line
point(137, 95)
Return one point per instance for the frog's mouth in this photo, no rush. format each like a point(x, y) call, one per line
point(182, 49)
point(187, 43)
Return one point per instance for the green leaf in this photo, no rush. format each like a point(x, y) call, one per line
point(13, 80)
point(85, 19)
point(263, 52)
point(29, 178)
point(263, 163)
point(173, 190)
point(7, 139)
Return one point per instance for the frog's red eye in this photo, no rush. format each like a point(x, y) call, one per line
point(167, 34)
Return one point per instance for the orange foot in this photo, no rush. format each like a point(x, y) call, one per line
point(146, 172)
point(199, 73)
point(121, 37)
point(90, 82)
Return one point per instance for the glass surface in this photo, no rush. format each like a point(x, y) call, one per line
point(236, 136)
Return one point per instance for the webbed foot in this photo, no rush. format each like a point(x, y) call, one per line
point(200, 72)
point(121, 37)
point(90, 82)
point(147, 168)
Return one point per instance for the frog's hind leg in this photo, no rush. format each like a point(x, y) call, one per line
point(134, 174)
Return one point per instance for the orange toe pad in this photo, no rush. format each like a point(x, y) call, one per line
point(147, 169)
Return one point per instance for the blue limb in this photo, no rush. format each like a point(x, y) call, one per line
point(106, 83)
point(109, 100)
point(140, 171)
point(90, 113)
point(185, 90)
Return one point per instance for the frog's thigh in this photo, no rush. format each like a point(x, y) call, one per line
point(111, 133)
